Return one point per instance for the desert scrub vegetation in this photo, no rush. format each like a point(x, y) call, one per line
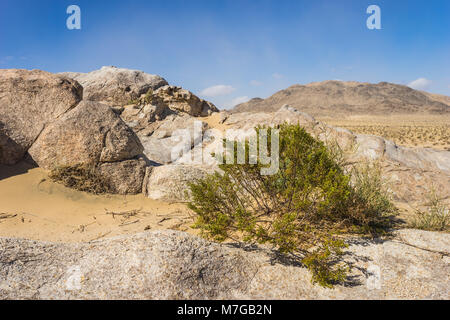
point(436, 216)
point(371, 191)
point(303, 210)
point(431, 136)
point(81, 177)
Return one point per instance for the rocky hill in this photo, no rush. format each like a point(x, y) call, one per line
point(58, 123)
point(345, 98)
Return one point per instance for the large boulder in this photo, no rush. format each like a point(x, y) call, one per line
point(116, 86)
point(166, 141)
point(124, 177)
point(171, 182)
point(90, 133)
point(174, 265)
point(29, 102)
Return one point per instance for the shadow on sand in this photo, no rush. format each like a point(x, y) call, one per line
point(17, 169)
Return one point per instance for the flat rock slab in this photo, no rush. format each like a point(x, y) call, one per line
point(175, 265)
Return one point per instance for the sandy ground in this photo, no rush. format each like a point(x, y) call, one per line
point(213, 121)
point(33, 207)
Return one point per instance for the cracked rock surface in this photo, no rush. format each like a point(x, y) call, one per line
point(29, 101)
point(89, 133)
point(175, 265)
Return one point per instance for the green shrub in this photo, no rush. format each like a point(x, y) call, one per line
point(435, 218)
point(300, 210)
point(372, 200)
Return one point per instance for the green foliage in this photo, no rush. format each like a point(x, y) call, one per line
point(322, 263)
point(148, 96)
point(80, 177)
point(133, 101)
point(144, 99)
point(372, 201)
point(301, 210)
point(435, 218)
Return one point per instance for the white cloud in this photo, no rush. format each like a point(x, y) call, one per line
point(239, 100)
point(219, 90)
point(234, 102)
point(277, 76)
point(420, 84)
point(255, 83)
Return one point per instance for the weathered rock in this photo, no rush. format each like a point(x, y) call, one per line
point(166, 141)
point(89, 133)
point(170, 182)
point(286, 114)
point(116, 86)
point(124, 177)
point(30, 101)
point(413, 186)
point(141, 117)
point(175, 265)
point(179, 99)
point(223, 116)
point(10, 151)
point(411, 173)
point(370, 147)
point(373, 148)
point(419, 158)
point(162, 103)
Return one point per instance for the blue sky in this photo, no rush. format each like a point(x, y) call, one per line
point(231, 50)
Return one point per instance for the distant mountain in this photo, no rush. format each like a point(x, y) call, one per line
point(330, 98)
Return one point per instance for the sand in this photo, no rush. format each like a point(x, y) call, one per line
point(33, 207)
point(213, 121)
